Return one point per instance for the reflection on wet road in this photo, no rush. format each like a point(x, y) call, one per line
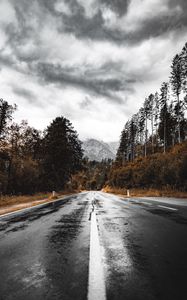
point(139, 247)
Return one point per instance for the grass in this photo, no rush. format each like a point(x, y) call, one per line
point(14, 203)
point(13, 200)
point(146, 192)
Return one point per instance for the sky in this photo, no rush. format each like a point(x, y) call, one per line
point(91, 61)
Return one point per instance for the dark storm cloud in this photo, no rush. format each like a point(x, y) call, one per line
point(100, 86)
point(24, 93)
point(94, 27)
point(118, 6)
point(6, 60)
point(22, 31)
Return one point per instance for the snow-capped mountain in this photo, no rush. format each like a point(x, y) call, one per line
point(99, 150)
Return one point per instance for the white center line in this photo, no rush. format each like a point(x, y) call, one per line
point(166, 207)
point(96, 283)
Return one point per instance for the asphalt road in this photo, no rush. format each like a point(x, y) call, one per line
point(95, 246)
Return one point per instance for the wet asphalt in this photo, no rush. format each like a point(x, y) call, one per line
point(44, 251)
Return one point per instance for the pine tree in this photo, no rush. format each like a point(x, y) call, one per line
point(6, 111)
point(183, 58)
point(147, 112)
point(132, 137)
point(121, 155)
point(156, 115)
point(166, 126)
point(176, 82)
point(163, 112)
point(141, 125)
point(62, 152)
point(151, 117)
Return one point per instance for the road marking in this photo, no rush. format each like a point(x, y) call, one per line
point(96, 281)
point(166, 207)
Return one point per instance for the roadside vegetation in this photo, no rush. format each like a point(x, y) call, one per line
point(156, 174)
point(32, 161)
point(153, 150)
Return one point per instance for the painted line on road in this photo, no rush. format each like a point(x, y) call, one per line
point(166, 207)
point(96, 281)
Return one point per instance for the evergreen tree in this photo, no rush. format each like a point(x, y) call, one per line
point(133, 129)
point(166, 126)
point(62, 153)
point(151, 117)
point(183, 58)
point(156, 115)
point(6, 111)
point(141, 126)
point(176, 82)
point(147, 112)
point(121, 155)
point(163, 112)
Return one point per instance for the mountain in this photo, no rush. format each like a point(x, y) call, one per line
point(99, 150)
point(113, 147)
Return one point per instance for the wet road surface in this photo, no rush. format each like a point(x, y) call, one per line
point(95, 246)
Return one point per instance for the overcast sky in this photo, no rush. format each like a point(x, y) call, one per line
point(92, 61)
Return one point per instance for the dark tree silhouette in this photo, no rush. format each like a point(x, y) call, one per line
point(176, 83)
point(62, 153)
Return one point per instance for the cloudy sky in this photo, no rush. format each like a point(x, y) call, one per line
point(92, 61)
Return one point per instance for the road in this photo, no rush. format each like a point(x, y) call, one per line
point(95, 246)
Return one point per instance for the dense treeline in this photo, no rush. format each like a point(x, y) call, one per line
point(93, 175)
point(160, 123)
point(31, 160)
point(158, 127)
point(156, 171)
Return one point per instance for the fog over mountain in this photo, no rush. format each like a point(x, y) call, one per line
point(99, 150)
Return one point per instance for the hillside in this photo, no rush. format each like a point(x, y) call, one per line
point(158, 171)
point(99, 150)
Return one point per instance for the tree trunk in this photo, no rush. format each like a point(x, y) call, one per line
point(178, 120)
point(152, 141)
point(164, 136)
point(146, 137)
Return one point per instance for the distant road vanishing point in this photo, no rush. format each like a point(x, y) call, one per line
point(95, 246)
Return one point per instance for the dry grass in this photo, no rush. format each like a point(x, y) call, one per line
point(12, 200)
point(14, 203)
point(146, 192)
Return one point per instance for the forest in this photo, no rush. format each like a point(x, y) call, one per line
point(153, 147)
point(152, 151)
point(33, 161)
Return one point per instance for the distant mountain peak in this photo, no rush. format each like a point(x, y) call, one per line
point(99, 150)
